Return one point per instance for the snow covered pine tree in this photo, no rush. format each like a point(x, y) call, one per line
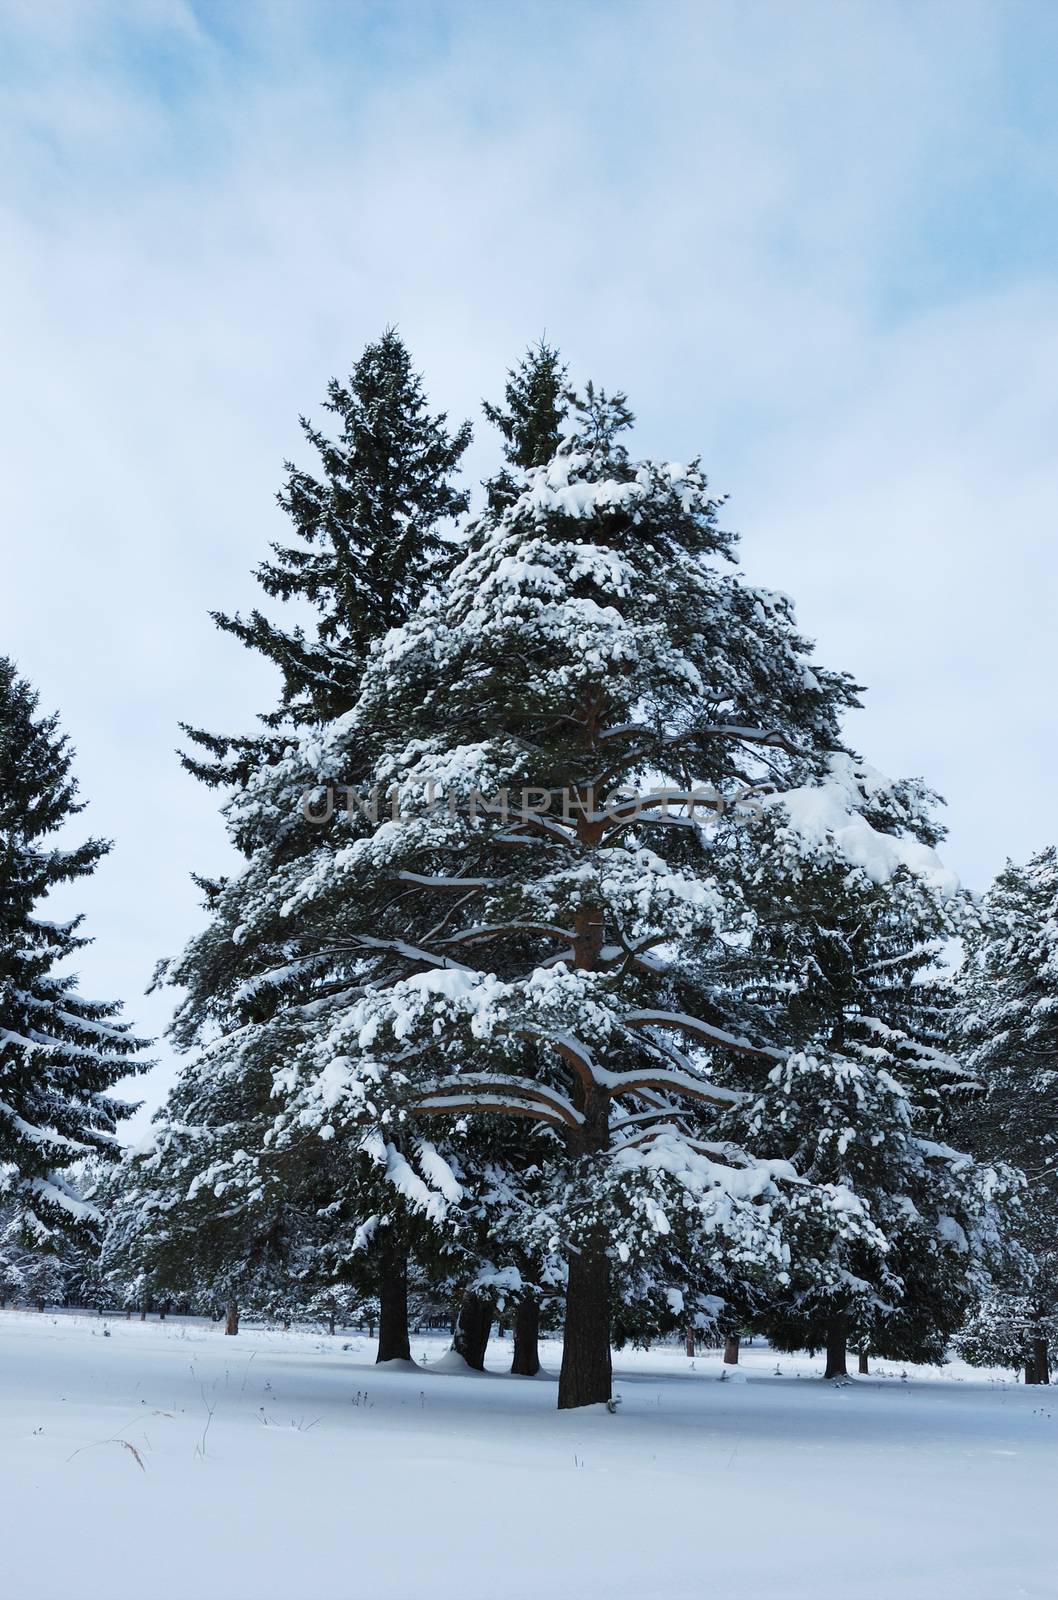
point(367, 531)
point(584, 674)
point(60, 1054)
point(851, 907)
point(1008, 1020)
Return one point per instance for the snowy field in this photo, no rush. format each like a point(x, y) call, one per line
point(167, 1460)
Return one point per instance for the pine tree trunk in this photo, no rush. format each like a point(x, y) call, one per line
point(689, 1341)
point(586, 1374)
point(473, 1326)
point(837, 1338)
point(526, 1361)
point(1038, 1366)
point(1043, 1361)
point(586, 1377)
point(731, 1350)
point(863, 1367)
point(394, 1342)
point(330, 1322)
point(40, 1305)
point(231, 1317)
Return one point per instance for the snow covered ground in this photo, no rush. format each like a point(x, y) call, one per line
point(165, 1460)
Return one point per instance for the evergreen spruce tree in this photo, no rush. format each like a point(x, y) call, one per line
point(60, 1054)
point(851, 907)
point(369, 530)
point(171, 1237)
point(1008, 1022)
point(28, 1275)
point(487, 901)
point(542, 964)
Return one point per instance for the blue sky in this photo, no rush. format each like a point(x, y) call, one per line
point(815, 243)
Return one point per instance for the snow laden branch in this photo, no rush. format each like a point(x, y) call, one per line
point(499, 1091)
point(703, 1031)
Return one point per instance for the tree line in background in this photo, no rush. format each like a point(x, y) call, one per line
point(614, 1061)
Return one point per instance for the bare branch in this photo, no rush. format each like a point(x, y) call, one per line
point(496, 930)
point(717, 730)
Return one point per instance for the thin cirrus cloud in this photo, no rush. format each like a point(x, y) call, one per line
point(813, 243)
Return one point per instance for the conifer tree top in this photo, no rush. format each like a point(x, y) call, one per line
point(368, 530)
point(537, 404)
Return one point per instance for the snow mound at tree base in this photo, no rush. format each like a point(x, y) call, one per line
point(453, 1362)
